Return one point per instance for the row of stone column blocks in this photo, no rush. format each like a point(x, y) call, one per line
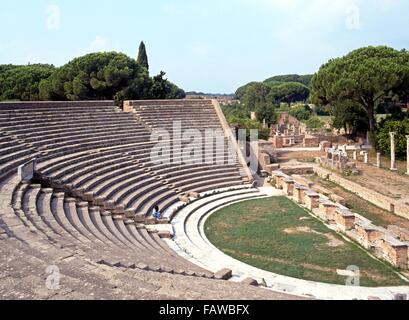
point(370, 236)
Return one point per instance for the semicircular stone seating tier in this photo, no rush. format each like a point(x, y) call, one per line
point(97, 182)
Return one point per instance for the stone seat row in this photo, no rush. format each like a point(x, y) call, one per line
point(87, 133)
point(64, 123)
point(54, 105)
point(90, 160)
point(58, 115)
point(80, 123)
point(356, 227)
point(138, 193)
point(99, 234)
point(177, 116)
point(49, 131)
point(141, 154)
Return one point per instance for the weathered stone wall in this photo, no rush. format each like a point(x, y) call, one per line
point(372, 196)
point(383, 243)
point(332, 139)
point(311, 142)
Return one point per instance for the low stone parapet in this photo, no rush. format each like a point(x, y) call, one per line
point(299, 193)
point(288, 187)
point(344, 219)
point(327, 210)
point(368, 234)
point(278, 179)
point(311, 199)
point(395, 251)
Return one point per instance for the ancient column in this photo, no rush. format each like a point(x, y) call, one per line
point(355, 155)
point(378, 160)
point(366, 157)
point(407, 155)
point(393, 155)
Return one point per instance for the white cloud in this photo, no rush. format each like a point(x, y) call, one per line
point(53, 21)
point(98, 44)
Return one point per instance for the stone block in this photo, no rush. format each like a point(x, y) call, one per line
point(395, 251)
point(224, 274)
point(26, 171)
point(345, 219)
point(368, 234)
point(165, 235)
point(250, 282)
point(184, 199)
point(288, 187)
point(327, 210)
point(272, 167)
point(109, 205)
point(299, 192)
point(194, 195)
point(311, 200)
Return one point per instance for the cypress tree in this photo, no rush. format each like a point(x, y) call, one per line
point(142, 56)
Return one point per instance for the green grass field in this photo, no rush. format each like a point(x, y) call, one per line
point(276, 235)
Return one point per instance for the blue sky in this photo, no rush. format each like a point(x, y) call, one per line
point(203, 45)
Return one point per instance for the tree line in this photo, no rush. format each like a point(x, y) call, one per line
point(95, 76)
point(352, 89)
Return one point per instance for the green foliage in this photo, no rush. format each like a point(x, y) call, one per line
point(321, 110)
point(143, 56)
point(248, 124)
point(106, 76)
point(266, 111)
point(97, 76)
point(22, 82)
point(365, 76)
point(304, 79)
point(315, 123)
point(288, 92)
point(243, 90)
point(400, 125)
point(235, 111)
point(163, 89)
point(302, 112)
point(351, 117)
point(254, 94)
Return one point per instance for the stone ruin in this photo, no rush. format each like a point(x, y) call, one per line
point(290, 132)
point(391, 244)
point(336, 159)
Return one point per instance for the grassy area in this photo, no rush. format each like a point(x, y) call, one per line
point(358, 205)
point(277, 235)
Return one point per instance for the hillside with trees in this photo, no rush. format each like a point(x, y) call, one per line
point(95, 76)
point(303, 79)
point(22, 82)
point(351, 90)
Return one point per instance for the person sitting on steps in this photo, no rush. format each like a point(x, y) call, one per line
point(156, 213)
